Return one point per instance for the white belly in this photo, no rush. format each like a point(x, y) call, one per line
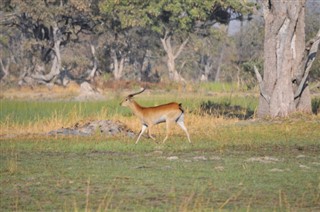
point(160, 120)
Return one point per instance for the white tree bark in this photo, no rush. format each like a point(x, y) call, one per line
point(118, 65)
point(95, 63)
point(172, 56)
point(5, 69)
point(56, 63)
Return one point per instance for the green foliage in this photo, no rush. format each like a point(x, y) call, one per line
point(312, 19)
point(315, 103)
point(165, 15)
point(4, 40)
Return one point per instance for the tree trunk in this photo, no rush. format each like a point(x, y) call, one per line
point(217, 76)
point(206, 67)
point(284, 49)
point(171, 57)
point(5, 69)
point(56, 63)
point(117, 66)
point(92, 72)
point(222, 52)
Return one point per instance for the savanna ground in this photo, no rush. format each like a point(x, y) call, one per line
point(232, 164)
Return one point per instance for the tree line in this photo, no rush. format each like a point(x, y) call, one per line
point(43, 40)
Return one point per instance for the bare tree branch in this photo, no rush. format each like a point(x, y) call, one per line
point(95, 63)
point(308, 64)
point(5, 69)
point(261, 87)
point(181, 48)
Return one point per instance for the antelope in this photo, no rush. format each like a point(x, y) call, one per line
point(150, 116)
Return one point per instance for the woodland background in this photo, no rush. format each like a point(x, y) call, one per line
point(56, 42)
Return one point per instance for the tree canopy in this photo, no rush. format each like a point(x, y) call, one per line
point(170, 19)
point(173, 16)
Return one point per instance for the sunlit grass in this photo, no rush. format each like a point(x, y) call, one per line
point(221, 87)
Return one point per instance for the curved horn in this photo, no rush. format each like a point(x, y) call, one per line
point(139, 92)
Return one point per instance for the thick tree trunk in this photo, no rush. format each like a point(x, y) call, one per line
point(172, 56)
point(56, 63)
point(284, 48)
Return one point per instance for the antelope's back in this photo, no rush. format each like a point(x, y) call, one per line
point(171, 107)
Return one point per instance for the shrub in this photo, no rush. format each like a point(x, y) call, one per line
point(225, 109)
point(315, 103)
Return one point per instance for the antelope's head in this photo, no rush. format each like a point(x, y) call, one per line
point(128, 100)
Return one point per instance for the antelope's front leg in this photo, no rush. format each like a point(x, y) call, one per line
point(144, 127)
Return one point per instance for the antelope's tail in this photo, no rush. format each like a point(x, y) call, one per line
point(180, 107)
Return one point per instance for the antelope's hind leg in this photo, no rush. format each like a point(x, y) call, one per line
point(167, 131)
point(180, 122)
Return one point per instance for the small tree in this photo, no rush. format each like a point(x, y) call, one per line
point(46, 27)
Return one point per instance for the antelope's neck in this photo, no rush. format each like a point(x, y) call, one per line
point(137, 109)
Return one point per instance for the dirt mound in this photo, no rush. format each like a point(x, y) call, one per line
point(107, 127)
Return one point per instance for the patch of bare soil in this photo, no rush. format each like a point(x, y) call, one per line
point(107, 127)
point(265, 159)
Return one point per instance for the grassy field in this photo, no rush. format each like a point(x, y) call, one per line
point(252, 165)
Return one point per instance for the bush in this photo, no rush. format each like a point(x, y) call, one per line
point(315, 103)
point(225, 109)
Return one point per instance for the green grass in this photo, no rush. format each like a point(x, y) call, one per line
point(221, 87)
point(231, 165)
point(69, 174)
point(31, 111)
